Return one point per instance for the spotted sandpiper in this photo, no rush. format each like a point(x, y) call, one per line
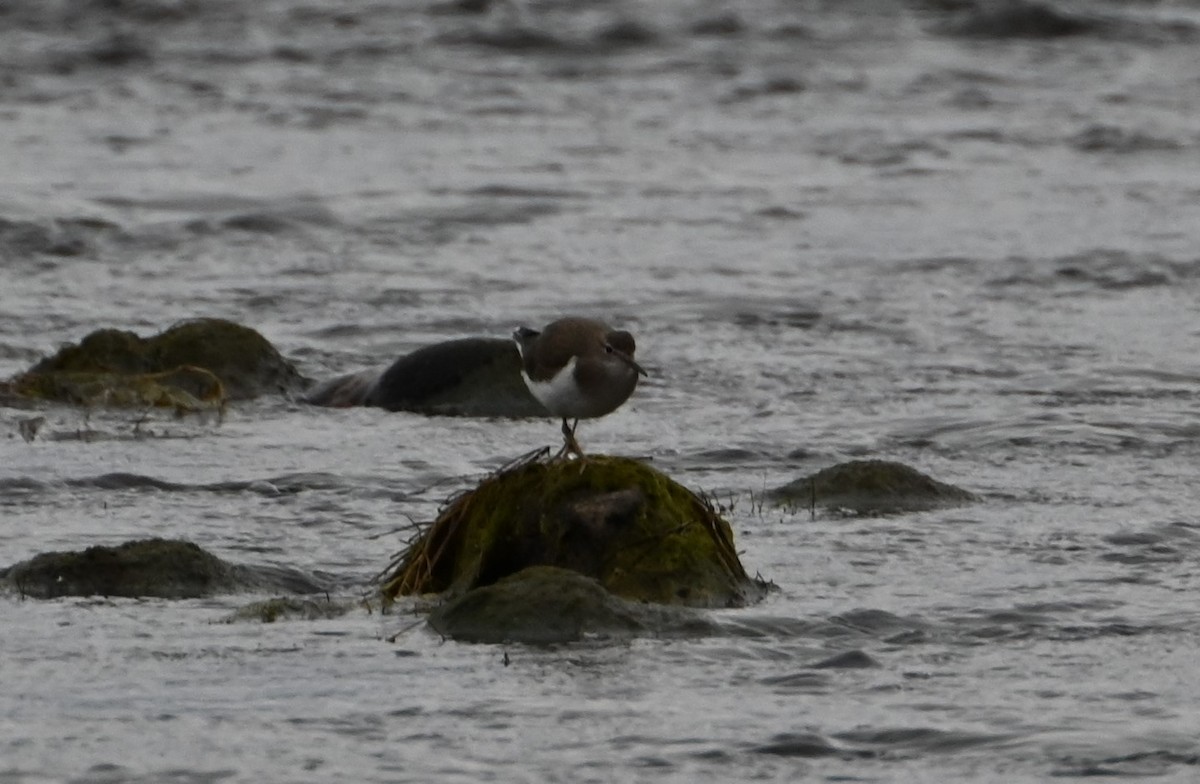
point(578, 368)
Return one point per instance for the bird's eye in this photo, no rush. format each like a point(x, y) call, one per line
point(607, 348)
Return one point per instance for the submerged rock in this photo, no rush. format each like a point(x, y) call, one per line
point(289, 608)
point(162, 568)
point(538, 605)
point(864, 487)
point(542, 605)
point(466, 377)
point(194, 365)
point(165, 568)
point(639, 534)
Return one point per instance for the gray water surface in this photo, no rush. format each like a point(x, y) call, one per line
point(838, 230)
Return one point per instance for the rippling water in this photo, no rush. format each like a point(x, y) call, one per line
point(963, 237)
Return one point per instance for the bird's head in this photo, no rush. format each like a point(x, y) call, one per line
point(620, 344)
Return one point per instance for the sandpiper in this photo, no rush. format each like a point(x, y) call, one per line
point(579, 369)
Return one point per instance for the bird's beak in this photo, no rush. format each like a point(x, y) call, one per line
point(632, 363)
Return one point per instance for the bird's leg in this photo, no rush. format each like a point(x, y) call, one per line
point(566, 447)
point(570, 445)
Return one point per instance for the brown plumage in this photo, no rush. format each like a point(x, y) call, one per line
point(578, 368)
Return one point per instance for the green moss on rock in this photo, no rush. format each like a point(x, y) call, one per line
point(641, 535)
point(193, 365)
point(864, 487)
point(165, 568)
point(185, 388)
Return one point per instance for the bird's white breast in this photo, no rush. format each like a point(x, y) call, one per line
point(559, 394)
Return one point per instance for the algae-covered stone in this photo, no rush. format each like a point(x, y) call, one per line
point(282, 608)
point(163, 568)
point(545, 604)
point(465, 377)
point(185, 388)
point(538, 605)
point(194, 364)
point(870, 487)
point(641, 535)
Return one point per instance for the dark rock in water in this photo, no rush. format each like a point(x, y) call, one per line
point(162, 568)
point(287, 608)
point(616, 520)
point(1016, 19)
point(542, 605)
point(479, 376)
point(195, 364)
point(870, 487)
point(539, 605)
point(466, 377)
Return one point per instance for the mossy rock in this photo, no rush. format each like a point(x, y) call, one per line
point(641, 535)
point(466, 377)
point(543, 605)
point(177, 367)
point(165, 568)
point(185, 388)
point(864, 487)
point(290, 608)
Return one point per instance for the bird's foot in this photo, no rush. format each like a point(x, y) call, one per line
point(570, 450)
point(570, 446)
